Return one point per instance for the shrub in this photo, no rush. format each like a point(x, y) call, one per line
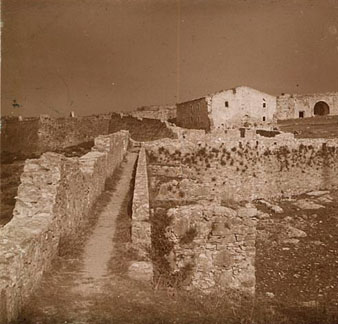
point(188, 236)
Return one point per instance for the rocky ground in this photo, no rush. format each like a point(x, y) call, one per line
point(297, 252)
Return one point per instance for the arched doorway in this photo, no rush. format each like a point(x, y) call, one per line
point(321, 108)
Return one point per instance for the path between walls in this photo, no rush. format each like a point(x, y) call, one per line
point(76, 283)
point(100, 246)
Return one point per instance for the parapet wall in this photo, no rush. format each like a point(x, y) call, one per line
point(54, 198)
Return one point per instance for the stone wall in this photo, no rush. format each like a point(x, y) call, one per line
point(155, 112)
point(193, 114)
point(140, 230)
point(33, 136)
point(20, 136)
point(54, 198)
point(203, 224)
point(63, 132)
point(290, 106)
point(243, 170)
point(30, 137)
point(140, 129)
point(216, 244)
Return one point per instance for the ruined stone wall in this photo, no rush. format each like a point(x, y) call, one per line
point(140, 129)
point(204, 226)
point(290, 106)
point(193, 114)
point(215, 245)
point(54, 198)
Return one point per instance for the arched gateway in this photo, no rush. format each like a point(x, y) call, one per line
point(321, 108)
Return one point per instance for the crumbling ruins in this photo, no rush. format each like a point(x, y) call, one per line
point(193, 189)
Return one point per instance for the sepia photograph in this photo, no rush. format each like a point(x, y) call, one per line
point(169, 162)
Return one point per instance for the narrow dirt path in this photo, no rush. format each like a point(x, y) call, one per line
point(99, 248)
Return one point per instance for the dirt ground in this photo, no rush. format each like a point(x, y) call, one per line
point(313, 127)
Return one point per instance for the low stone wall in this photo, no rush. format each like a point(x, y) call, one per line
point(213, 247)
point(141, 231)
point(241, 170)
point(54, 198)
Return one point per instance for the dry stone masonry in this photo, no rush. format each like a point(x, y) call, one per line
point(54, 198)
point(203, 225)
point(216, 244)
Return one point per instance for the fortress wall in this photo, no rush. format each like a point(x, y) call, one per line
point(141, 232)
point(33, 136)
point(54, 198)
point(62, 132)
point(140, 129)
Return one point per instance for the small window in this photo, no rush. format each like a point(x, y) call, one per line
point(226, 104)
point(264, 105)
point(263, 118)
point(301, 114)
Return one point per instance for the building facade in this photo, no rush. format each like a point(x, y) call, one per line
point(223, 109)
point(308, 105)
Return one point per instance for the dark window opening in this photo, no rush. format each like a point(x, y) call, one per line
point(226, 104)
point(301, 114)
point(263, 118)
point(264, 104)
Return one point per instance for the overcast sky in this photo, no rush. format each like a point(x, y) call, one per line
point(92, 56)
